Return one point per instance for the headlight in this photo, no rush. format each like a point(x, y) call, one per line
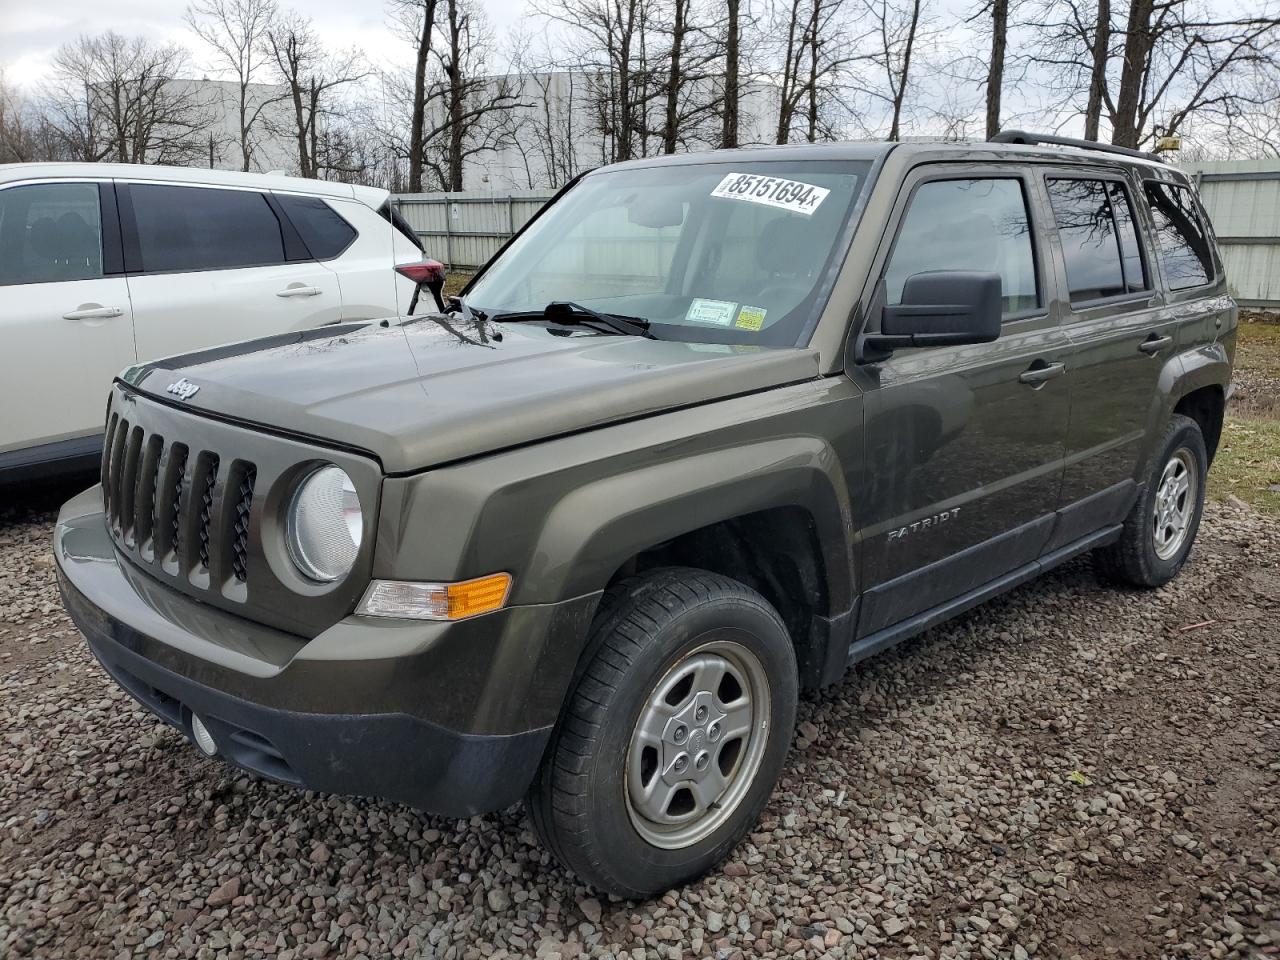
point(325, 525)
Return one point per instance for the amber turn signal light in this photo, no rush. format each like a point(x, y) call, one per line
point(436, 601)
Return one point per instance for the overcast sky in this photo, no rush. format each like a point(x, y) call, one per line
point(31, 30)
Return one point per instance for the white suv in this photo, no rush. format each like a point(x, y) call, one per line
point(103, 266)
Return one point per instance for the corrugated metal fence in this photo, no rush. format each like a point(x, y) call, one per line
point(1242, 197)
point(463, 230)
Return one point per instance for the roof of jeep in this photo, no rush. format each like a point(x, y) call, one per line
point(13, 172)
point(980, 150)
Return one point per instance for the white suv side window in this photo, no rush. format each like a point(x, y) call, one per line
point(50, 232)
point(182, 229)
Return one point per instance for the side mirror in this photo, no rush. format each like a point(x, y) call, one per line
point(942, 308)
point(424, 273)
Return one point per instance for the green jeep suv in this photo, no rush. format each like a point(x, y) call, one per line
point(707, 432)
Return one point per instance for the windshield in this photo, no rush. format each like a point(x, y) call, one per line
point(710, 253)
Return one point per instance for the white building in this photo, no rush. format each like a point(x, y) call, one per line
point(271, 138)
point(555, 129)
point(209, 132)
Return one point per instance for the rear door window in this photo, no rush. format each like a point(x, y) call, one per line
point(1099, 238)
point(322, 228)
point(1186, 253)
point(50, 232)
point(182, 229)
point(980, 225)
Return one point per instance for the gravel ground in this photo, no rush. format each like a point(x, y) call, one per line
point(1069, 771)
point(1257, 370)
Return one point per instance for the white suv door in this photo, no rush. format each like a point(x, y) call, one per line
point(65, 323)
point(215, 265)
point(358, 244)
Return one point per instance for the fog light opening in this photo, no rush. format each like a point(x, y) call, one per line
point(203, 738)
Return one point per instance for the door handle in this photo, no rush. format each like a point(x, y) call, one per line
point(93, 313)
point(299, 292)
point(1039, 373)
point(1154, 344)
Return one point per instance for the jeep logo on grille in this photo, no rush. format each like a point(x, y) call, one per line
point(183, 389)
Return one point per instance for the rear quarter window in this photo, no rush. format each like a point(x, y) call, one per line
point(325, 232)
point(1182, 240)
point(397, 220)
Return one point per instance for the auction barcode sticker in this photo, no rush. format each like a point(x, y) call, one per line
point(772, 191)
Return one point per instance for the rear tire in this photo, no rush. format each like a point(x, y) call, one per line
point(674, 735)
point(1161, 527)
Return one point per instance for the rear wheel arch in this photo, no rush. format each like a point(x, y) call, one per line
point(1192, 384)
point(1207, 407)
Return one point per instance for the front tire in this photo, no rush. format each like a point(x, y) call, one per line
point(674, 735)
point(1159, 531)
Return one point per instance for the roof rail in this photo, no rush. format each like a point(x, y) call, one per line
point(1033, 139)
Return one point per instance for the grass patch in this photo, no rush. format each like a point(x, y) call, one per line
point(1258, 349)
point(454, 282)
point(1248, 463)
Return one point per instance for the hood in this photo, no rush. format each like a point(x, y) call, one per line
point(435, 389)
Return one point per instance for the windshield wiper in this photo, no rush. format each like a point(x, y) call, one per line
point(568, 312)
point(467, 312)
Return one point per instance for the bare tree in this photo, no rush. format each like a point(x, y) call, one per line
point(995, 71)
point(1166, 62)
point(12, 127)
point(236, 32)
point(817, 51)
point(790, 18)
point(545, 132)
point(675, 75)
point(466, 107)
point(27, 133)
point(1097, 68)
point(1180, 61)
point(608, 41)
point(1070, 53)
point(556, 129)
point(684, 62)
point(732, 49)
point(120, 98)
point(1252, 129)
point(417, 21)
point(313, 79)
point(896, 26)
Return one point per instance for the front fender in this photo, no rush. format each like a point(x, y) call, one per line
point(599, 526)
point(562, 516)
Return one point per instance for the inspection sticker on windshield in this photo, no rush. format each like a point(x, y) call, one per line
point(772, 192)
point(717, 312)
point(750, 318)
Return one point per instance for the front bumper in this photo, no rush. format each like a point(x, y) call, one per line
point(427, 714)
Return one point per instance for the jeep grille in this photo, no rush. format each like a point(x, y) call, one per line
point(194, 503)
point(161, 505)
